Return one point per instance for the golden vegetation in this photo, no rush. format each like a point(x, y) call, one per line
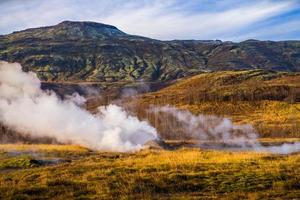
point(184, 173)
point(266, 99)
point(42, 147)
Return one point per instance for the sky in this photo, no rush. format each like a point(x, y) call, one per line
point(234, 20)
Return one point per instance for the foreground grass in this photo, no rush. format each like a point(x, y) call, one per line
point(184, 173)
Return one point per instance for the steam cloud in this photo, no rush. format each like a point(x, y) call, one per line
point(221, 133)
point(26, 108)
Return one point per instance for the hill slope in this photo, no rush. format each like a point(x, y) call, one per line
point(268, 100)
point(89, 51)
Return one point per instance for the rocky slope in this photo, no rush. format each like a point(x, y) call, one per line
point(88, 51)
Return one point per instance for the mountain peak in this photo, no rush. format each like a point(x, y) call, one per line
point(85, 24)
point(71, 30)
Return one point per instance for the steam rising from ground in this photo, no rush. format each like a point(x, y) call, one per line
point(220, 133)
point(27, 109)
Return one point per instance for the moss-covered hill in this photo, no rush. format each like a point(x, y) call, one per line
point(88, 51)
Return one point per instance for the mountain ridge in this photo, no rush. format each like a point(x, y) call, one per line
point(90, 51)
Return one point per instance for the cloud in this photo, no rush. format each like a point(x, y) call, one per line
point(169, 19)
point(284, 31)
point(154, 22)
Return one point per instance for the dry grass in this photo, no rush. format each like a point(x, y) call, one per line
point(270, 118)
point(184, 173)
point(41, 147)
point(267, 100)
point(31, 171)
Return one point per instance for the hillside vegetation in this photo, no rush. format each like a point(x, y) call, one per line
point(268, 100)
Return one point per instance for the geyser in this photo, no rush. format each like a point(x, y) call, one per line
point(27, 109)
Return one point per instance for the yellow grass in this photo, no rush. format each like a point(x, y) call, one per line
point(41, 147)
point(270, 118)
point(183, 173)
point(267, 100)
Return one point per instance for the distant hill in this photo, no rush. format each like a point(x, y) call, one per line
point(94, 52)
point(268, 100)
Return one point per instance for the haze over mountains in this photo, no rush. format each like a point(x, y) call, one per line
point(89, 51)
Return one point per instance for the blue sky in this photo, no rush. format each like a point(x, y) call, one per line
point(234, 20)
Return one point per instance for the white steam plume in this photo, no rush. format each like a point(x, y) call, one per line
point(27, 109)
point(221, 132)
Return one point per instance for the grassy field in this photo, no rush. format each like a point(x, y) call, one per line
point(270, 101)
point(68, 172)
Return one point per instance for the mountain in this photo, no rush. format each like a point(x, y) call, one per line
point(95, 52)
